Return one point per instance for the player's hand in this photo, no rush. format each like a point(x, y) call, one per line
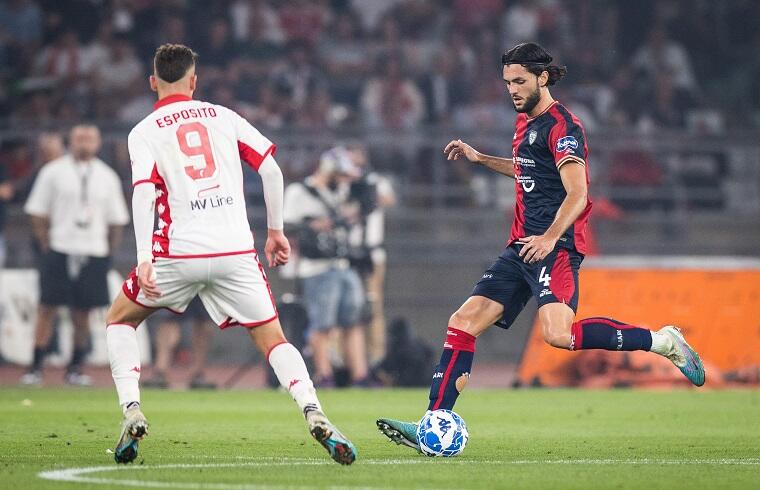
point(277, 249)
point(536, 248)
point(457, 148)
point(146, 279)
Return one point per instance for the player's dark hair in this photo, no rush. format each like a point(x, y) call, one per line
point(172, 61)
point(535, 59)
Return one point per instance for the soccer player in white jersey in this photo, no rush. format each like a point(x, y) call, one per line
point(186, 167)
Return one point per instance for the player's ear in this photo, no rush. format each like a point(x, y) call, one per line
point(543, 79)
point(153, 83)
point(193, 81)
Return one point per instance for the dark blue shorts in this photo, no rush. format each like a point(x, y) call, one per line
point(512, 282)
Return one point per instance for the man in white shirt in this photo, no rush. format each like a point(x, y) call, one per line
point(333, 294)
point(78, 210)
point(186, 168)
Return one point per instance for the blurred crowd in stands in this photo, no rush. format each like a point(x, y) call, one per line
point(386, 67)
point(382, 63)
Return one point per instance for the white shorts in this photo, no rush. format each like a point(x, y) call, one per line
point(233, 288)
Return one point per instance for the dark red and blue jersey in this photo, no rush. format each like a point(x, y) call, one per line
point(541, 146)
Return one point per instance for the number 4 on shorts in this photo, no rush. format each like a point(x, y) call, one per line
point(543, 277)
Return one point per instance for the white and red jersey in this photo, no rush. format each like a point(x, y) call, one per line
point(192, 151)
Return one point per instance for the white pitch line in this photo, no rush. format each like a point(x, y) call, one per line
point(80, 475)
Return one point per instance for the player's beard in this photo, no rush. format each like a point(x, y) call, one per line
point(530, 102)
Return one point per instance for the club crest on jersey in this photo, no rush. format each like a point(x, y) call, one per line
point(567, 144)
point(532, 136)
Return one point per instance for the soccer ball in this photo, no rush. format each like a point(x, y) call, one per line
point(442, 433)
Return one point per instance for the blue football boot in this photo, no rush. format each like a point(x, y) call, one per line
point(683, 356)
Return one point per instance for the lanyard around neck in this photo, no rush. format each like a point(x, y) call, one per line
point(84, 170)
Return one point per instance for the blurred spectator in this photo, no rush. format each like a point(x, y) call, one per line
point(49, 147)
point(473, 15)
point(119, 69)
point(375, 194)
point(444, 88)
point(220, 47)
point(520, 22)
point(78, 211)
point(137, 104)
point(6, 194)
point(63, 60)
point(487, 110)
point(98, 49)
point(371, 12)
point(21, 22)
point(344, 57)
point(16, 157)
point(20, 31)
point(390, 99)
point(318, 213)
point(255, 18)
point(300, 74)
point(662, 55)
point(268, 111)
point(320, 112)
point(304, 20)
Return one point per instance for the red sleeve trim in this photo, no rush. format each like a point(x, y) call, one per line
point(252, 157)
point(571, 158)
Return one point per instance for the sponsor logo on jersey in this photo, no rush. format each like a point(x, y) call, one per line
point(437, 375)
point(525, 162)
point(487, 276)
point(619, 339)
point(544, 292)
point(567, 144)
point(526, 181)
point(211, 203)
point(532, 136)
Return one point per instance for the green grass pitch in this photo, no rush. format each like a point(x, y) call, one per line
point(518, 439)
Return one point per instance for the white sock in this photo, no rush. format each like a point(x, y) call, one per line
point(291, 371)
point(124, 354)
point(661, 343)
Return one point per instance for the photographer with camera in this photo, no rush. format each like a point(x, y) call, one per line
point(320, 214)
point(374, 193)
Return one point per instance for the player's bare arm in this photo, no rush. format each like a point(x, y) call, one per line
point(115, 234)
point(573, 175)
point(41, 229)
point(457, 148)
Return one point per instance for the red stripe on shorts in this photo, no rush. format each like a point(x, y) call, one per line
point(562, 283)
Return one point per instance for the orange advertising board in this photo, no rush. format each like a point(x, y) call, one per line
point(718, 311)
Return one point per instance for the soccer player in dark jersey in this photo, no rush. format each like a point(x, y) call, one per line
point(546, 244)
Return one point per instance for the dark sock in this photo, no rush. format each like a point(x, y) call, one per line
point(452, 370)
point(38, 358)
point(609, 334)
point(77, 359)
